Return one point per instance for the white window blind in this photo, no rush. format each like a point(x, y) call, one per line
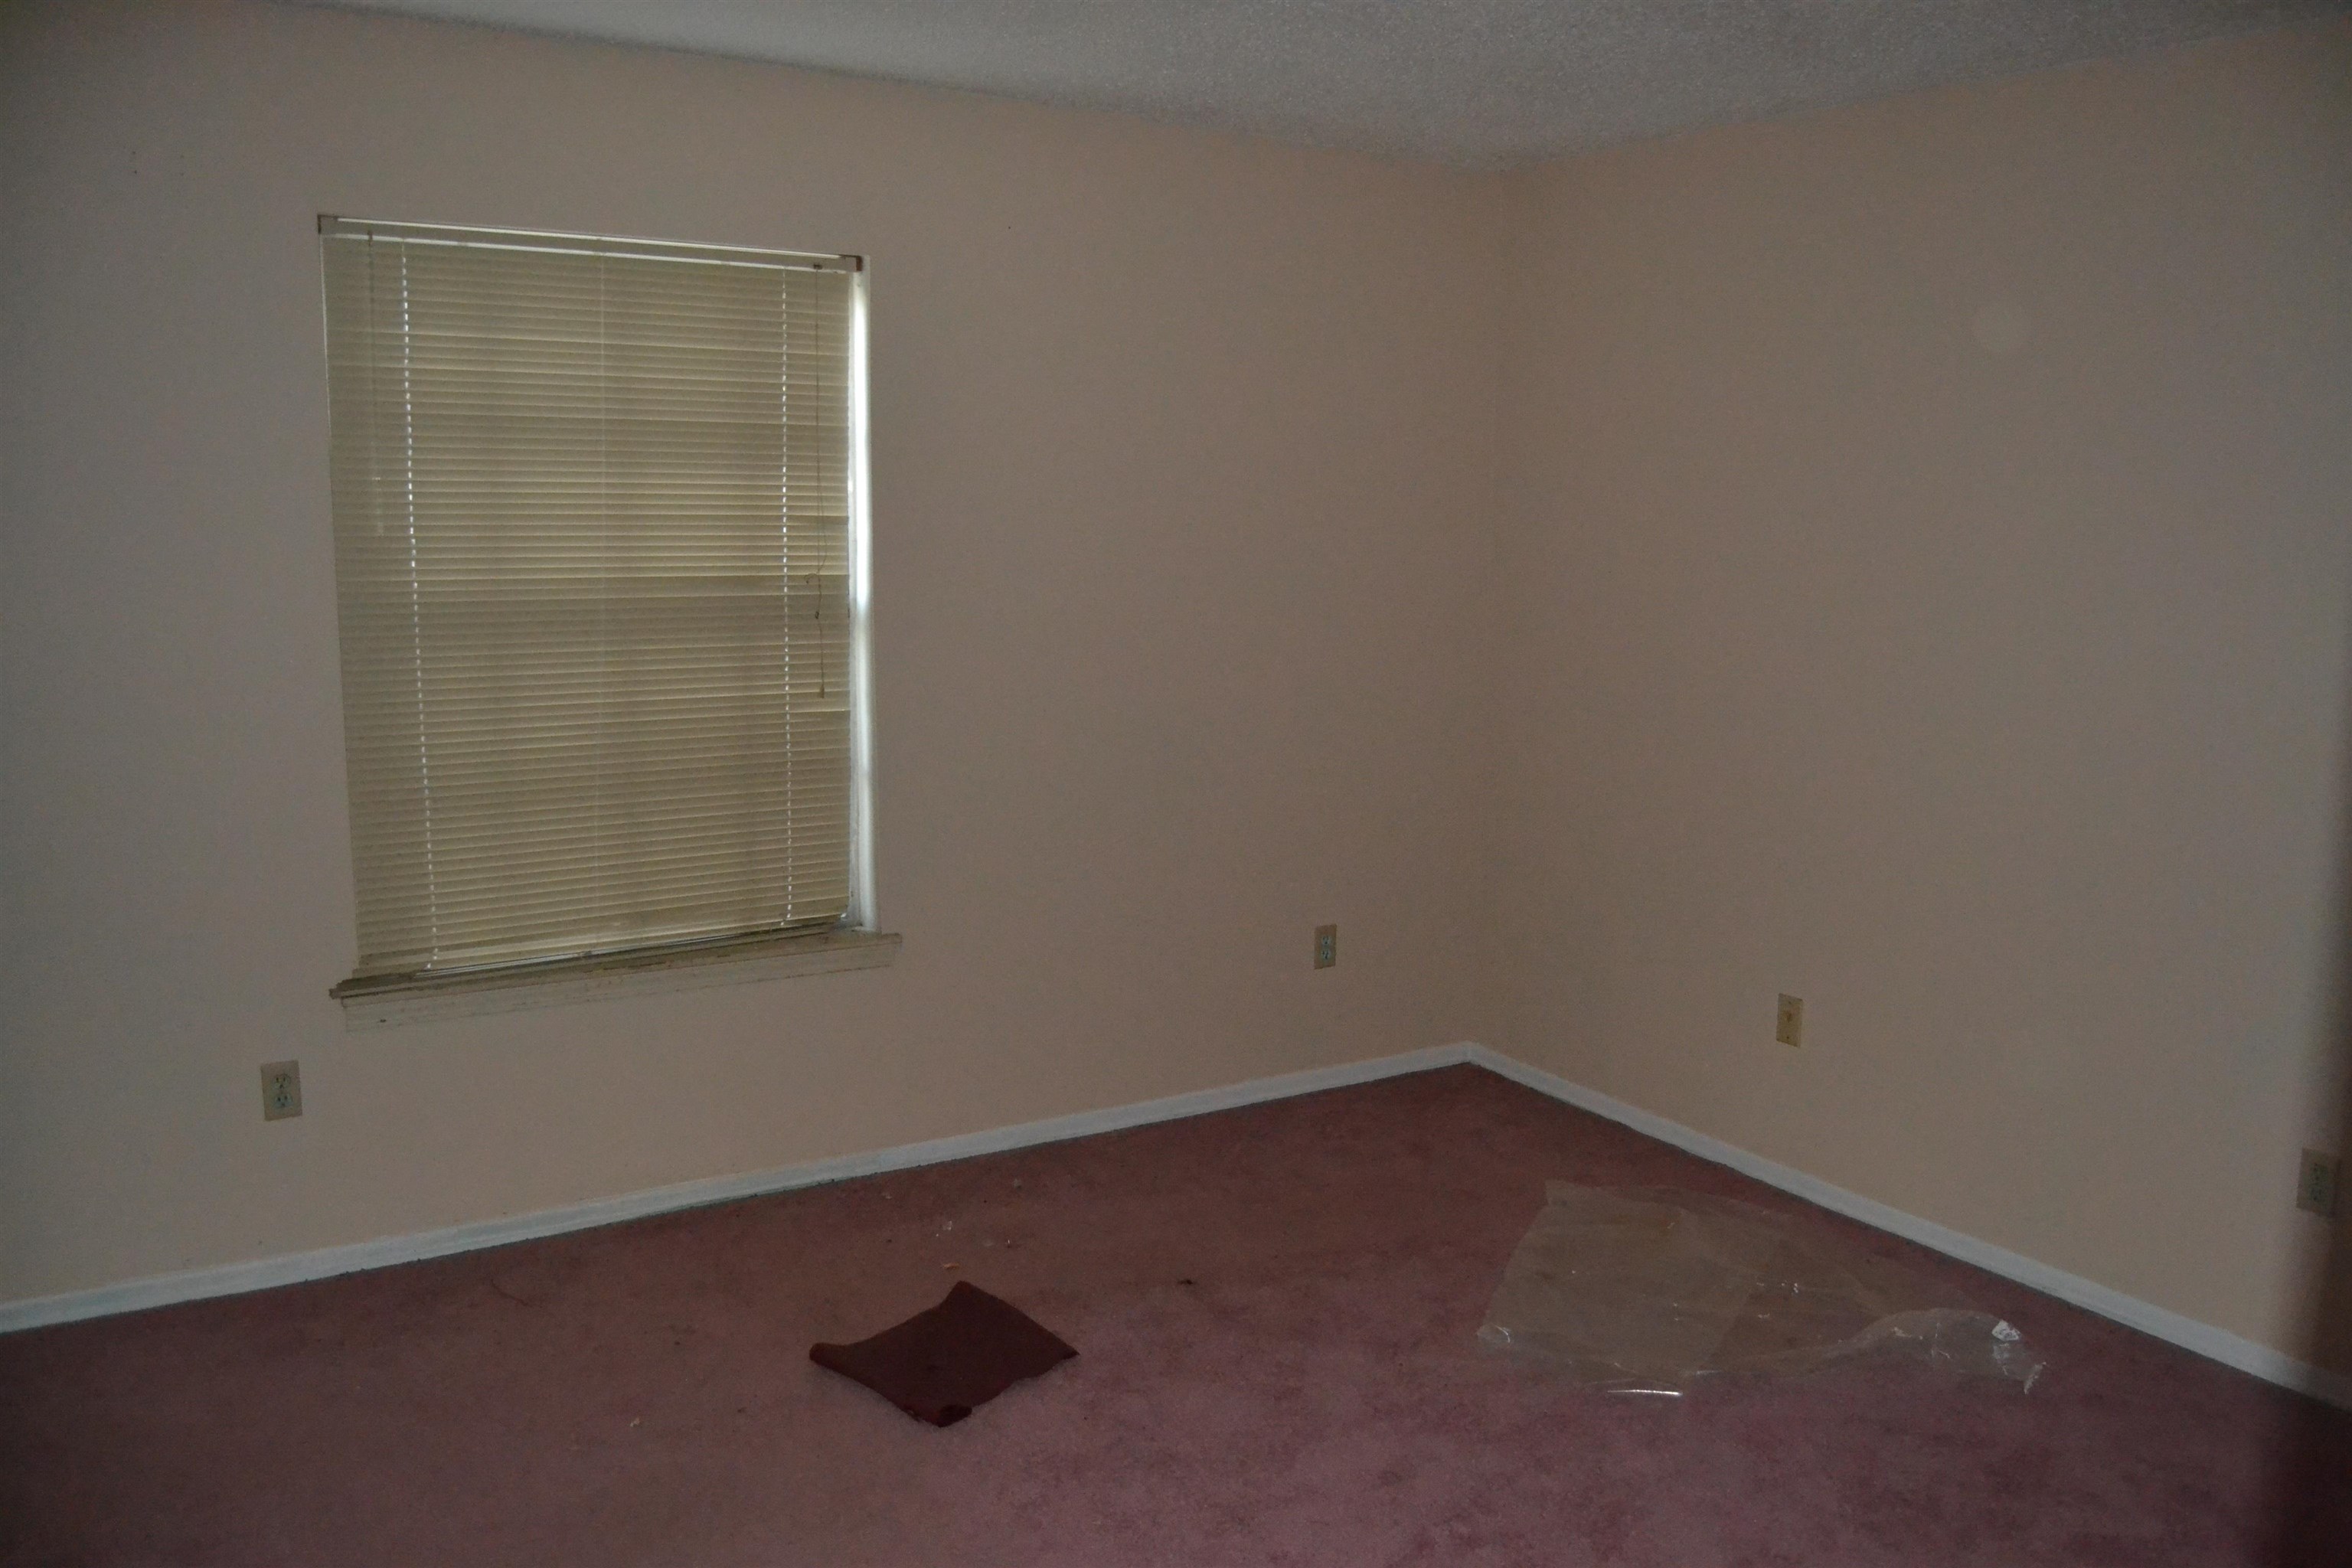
point(593, 552)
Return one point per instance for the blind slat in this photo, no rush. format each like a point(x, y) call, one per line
point(591, 511)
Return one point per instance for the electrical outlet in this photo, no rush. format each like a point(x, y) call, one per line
point(281, 1090)
point(1327, 946)
point(1790, 1028)
point(2315, 1190)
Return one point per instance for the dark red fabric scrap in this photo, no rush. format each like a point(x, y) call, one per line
point(943, 1363)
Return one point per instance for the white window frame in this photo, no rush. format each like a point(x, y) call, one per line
point(856, 942)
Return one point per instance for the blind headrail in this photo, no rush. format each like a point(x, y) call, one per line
point(335, 228)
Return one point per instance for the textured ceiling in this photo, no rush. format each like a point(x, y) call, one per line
point(1481, 83)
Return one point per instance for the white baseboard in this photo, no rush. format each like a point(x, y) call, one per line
point(2216, 1345)
point(293, 1269)
point(228, 1279)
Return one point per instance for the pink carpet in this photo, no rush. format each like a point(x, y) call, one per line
point(1274, 1310)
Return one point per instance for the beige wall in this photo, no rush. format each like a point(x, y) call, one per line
point(1992, 701)
point(1614, 594)
point(1183, 454)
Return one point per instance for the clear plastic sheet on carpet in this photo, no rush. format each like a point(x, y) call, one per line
point(1655, 1290)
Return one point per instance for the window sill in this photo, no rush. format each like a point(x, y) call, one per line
point(415, 999)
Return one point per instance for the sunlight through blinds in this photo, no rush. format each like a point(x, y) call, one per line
point(592, 506)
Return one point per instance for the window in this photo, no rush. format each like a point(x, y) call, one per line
point(600, 561)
